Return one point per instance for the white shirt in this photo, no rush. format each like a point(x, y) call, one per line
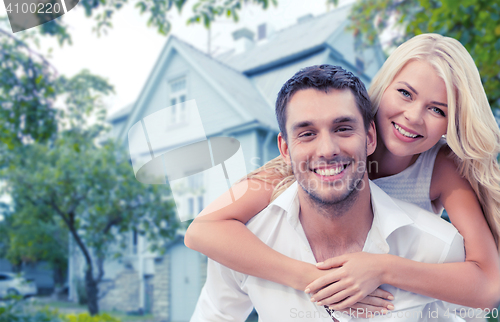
point(398, 228)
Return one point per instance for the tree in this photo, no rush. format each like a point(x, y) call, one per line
point(31, 239)
point(27, 93)
point(475, 23)
point(87, 185)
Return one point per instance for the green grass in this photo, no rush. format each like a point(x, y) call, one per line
point(66, 307)
point(131, 318)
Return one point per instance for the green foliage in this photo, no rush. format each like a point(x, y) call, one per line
point(475, 23)
point(85, 184)
point(206, 11)
point(85, 317)
point(32, 240)
point(92, 189)
point(28, 89)
point(15, 311)
point(157, 11)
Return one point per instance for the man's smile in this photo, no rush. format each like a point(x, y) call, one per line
point(332, 171)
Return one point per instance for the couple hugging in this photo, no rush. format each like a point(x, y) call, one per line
point(341, 241)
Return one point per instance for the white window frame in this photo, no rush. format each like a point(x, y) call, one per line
point(178, 95)
point(195, 195)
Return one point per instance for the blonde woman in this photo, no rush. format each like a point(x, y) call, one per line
point(428, 88)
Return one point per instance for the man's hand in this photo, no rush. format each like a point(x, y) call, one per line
point(352, 278)
point(376, 302)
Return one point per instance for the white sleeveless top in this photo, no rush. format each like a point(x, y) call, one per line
point(413, 183)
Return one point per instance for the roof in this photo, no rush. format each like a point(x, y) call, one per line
point(124, 111)
point(235, 85)
point(303, 37)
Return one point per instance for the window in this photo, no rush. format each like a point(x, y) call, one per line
point(178, 85)
point(195, 182)
point(200, 203)
point(178, 95)
point(261, 31)
point(134, 241)
point(191, 206)
point(194, 197)
point(360, 65)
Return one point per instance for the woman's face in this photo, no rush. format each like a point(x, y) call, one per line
point(413, 111)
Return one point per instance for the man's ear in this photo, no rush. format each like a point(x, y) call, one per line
point(283, 146)
point(371, 139)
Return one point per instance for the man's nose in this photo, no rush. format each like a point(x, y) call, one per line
point(327, 146)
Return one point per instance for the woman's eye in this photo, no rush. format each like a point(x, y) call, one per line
point(404, 92)
point(438, 111)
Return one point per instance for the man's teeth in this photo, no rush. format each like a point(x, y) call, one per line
point(407, 134)
point(329, 172)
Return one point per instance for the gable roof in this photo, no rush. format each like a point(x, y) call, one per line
point(123, 112)
point(232, 85)
point(235, 86)
point(301, 39)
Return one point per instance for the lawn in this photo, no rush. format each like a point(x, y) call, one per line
point(70, 307)
point(66, 307)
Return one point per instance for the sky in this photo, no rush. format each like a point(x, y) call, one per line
point(127, 54)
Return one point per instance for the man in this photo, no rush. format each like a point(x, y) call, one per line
point(327, 131)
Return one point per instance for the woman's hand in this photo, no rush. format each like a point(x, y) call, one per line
point(352, 278)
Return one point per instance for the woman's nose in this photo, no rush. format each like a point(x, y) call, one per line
point(414, 113)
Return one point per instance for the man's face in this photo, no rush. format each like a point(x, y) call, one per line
point(327, 143)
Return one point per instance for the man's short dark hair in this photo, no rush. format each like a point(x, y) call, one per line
point(323, 78)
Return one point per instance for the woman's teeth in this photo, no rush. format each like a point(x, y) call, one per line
point(329, 172)
point(403, 132)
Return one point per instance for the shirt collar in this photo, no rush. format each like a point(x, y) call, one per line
point(289, 202)
point(387, 215)
point(387, 218)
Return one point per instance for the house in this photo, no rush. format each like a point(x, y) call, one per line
point(234, 94)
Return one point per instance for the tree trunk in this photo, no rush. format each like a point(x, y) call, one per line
point(92, 292)
point(90, 283)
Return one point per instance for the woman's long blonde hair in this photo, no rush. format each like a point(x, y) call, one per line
point(472, 134)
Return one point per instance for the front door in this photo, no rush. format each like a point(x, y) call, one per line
point(185, 282)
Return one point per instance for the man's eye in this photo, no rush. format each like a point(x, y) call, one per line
point(306, 134)
point(404, 92)
point(343, 129)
